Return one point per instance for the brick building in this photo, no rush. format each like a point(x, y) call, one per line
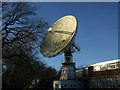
point(100, 76)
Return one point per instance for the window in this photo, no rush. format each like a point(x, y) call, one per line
point(118, 82)
point(118, 64)
point(111, 66)
point(114, 82)
point(75, 85)
point(111, 82)
point(61, 86)
point(65, 85)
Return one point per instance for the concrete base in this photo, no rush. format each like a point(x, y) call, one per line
point(67, 85)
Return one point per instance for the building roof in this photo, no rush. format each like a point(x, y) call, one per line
point(105, 62)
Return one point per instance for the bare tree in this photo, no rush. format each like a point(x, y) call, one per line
point(20, 25)
point(21, 31)
point(20, 28)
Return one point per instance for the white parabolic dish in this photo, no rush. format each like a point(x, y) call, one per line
point(59, 36)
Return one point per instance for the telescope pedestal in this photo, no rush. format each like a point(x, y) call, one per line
point(68, 68)
point(68, 71)
point(68, 74)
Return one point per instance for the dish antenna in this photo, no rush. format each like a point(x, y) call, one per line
point(58, 39)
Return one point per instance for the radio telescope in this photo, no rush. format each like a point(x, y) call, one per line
point(60, 39)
